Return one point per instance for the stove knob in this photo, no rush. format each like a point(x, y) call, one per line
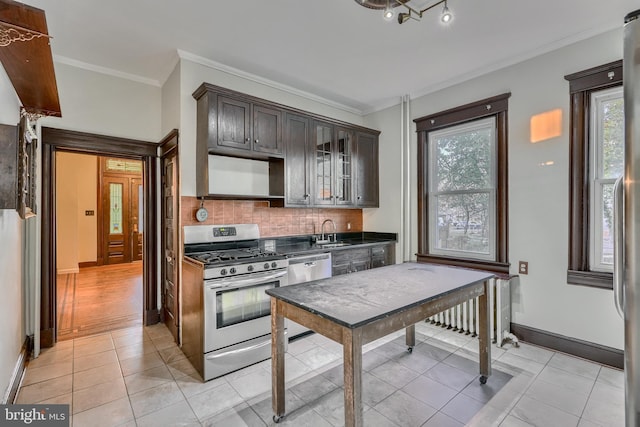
point(223, 272)
point(274, 264)
point(266, 265)
point(232, 270)
point(250, 268)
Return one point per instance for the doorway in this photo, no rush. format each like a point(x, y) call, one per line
point(57, 140)
point(99, 229)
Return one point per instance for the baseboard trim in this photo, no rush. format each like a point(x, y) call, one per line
point(18, 372)
point(46, 338)
point(585, 349)
point(87, 264)
point(74, 270)
point(151, 317)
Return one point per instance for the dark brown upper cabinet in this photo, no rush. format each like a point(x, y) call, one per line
point(367, 170)
point(267, 130)
point(298, 155)
point(332, 168)
point(235, 125)
point(314, 161)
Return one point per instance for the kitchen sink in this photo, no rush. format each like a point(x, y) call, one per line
point(334, 245)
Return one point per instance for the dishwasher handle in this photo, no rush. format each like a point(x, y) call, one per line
point(310, 260)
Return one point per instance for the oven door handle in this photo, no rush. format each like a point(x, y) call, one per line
point(241, 350)
point(244, 282)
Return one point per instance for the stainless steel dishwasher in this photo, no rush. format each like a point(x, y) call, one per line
point(304, 269)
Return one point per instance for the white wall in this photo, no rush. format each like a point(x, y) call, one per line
point(11, 286)
point(171, 101)
point(12, 281)
point(193, 74)
point(66, 214)
point(87, 195)
point(106, 105)
point(388, 217)
point(538, 195)
point(76, 189)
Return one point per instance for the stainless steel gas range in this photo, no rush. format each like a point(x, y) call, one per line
point(226, 313)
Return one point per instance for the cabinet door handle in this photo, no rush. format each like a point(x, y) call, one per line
point(248, 140)
point(306, 196)
point(257, 141)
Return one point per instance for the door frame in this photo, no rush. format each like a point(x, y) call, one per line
point(54, 140)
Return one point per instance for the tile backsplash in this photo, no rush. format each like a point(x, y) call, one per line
point(271, 221)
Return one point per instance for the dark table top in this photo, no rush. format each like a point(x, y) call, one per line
point(356, 299)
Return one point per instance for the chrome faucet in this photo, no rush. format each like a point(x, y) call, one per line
point(334, 230)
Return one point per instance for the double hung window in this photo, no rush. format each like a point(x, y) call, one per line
point(462, 183)
point(462, 188)
point(607, 162)
point(596, 160)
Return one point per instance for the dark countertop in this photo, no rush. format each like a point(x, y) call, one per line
point(301, 245)
point(356, 299)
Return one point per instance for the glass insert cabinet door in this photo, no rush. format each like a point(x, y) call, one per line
point(344, 167)
point(334, 151)
point(324, 185)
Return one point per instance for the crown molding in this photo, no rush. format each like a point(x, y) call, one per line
point(267, 82)
point(548, 48)
point(104, 70)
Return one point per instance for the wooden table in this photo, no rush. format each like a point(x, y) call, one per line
point(358, 308)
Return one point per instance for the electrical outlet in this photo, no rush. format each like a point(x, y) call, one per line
point(523, 267)
point(348, 226)
point(89, 213)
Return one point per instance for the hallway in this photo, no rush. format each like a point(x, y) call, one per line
point(99, 299)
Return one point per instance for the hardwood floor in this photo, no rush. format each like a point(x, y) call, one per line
point(99, 299)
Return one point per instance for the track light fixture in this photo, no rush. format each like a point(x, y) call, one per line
point(388, 12)
point(446, 16)
point(387, 6)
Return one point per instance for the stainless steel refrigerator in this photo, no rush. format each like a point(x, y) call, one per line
point(627, 248)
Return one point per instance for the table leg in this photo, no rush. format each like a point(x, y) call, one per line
point(352, 348)
point(410, 337)
point(277, 361)
point(484, 334)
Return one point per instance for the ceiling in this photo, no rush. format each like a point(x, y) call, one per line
point(333, 49)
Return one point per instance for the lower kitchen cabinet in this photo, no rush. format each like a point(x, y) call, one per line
point(350, 260)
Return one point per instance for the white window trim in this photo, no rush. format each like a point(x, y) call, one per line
point(433, 214)
point(596, 183)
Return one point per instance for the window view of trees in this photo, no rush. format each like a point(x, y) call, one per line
point(608, 151)
point(462, 188)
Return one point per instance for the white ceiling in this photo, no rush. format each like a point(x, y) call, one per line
point(334, 49)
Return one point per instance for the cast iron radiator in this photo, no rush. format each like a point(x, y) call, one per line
point(463, 318)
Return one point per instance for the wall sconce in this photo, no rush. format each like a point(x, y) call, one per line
point(546, 125)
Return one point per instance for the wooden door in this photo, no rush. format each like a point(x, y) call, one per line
point(115, 224)
point(170, 242)
point(136, 215)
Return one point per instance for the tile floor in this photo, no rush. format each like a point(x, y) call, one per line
point(139, 377)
